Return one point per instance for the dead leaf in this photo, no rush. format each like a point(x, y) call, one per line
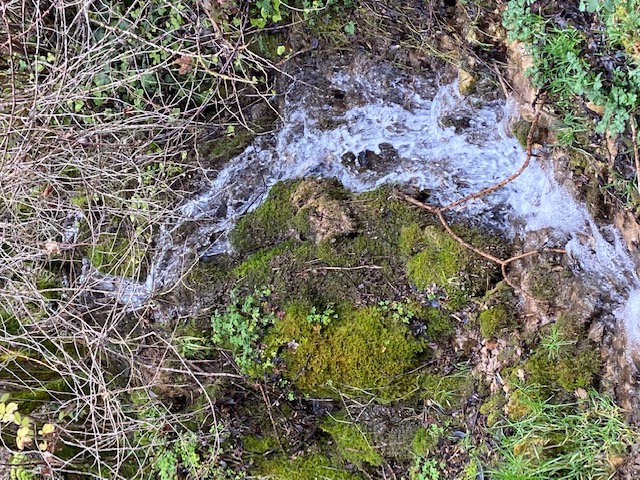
point(47, 191)
point(52, 248)
point(185, 65)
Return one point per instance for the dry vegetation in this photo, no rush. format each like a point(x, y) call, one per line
point(102, 104)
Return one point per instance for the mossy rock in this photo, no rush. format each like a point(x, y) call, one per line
point(363, 350)
point(305, 209)
point(565, 359)
point(443, 262)
point(267, 225)
point(578, 370)
point(226, 146)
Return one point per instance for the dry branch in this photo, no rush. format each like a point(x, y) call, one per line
point(439, 211)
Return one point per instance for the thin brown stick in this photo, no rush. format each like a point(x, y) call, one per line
point(512, 177)
point(438, 212)
point(636, 155)
point(273, 423)
point(504, 263)
point(361, 267)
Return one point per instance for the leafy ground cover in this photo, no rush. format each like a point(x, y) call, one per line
point(584, 57)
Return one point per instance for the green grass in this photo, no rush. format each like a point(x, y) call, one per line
point(574, 441)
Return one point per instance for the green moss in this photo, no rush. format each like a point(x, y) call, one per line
point(440, 263)
point(362, 349)
point(444, 262)
point(259, 445)
point(439, 324)
point(492, 408)
point(545, 279)
point(226, 147)
point(266, 44)
point(256, 269)
point(520, 130)
point(29, 400)
point(269, 224)
point(116, 255)
point(313, 466)
point(351, 442)
point(565, 358)
point(578, 370)
point(49, 284)
point(426, 440)
point(411, 239)
point(494, 319)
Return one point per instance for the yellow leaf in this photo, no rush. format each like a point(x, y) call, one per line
point(47, 429)
point(43, 445)
point(11, 408)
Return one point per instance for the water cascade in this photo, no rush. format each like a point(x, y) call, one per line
point(370, 126)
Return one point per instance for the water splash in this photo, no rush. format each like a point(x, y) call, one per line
point(372, 127)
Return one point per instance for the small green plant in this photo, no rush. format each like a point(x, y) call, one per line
point(400, 312)
point(424, 469)
point(240, 326)
point(563, 70)
point(323, 318)
point(25, 434)
point(554, 342)
point(185, 455)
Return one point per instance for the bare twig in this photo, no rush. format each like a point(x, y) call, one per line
point(510, 178)
point(636, 154)
point(439, 211)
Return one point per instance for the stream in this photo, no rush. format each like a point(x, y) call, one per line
point(367, 124)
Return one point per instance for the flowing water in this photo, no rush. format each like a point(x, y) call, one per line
point(368, 125)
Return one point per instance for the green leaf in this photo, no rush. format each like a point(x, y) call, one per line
point(5, 398)
point(350, 28)
point(281, 49)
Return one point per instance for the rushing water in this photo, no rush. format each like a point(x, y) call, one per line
point(368, 126)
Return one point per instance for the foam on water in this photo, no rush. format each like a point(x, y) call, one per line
point(448, 161)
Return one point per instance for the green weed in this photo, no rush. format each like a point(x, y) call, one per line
point(562, 69)
point(240, 326)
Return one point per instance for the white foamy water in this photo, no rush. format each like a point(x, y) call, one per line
point(347, 137)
